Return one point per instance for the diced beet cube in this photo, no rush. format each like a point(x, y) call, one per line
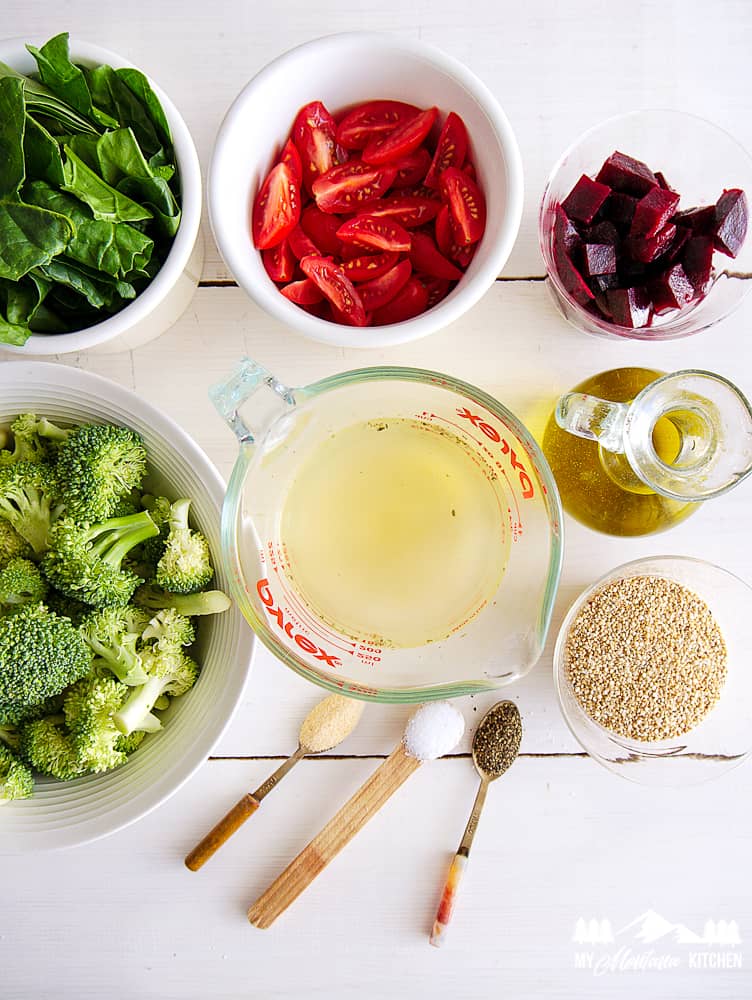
point(584, 200)
point(599, 258)
point(653, 212)
point(630, 307)
point(662, 181)
point(602, 232)
point(565, 231)
point(671, 290)
point(646, 249)
point(604, 282)
point(700, 220)
point(674, 250)
point(619, 209)
point(697, 261)
point(624, 173)
point(570, 277)
point(731, 221)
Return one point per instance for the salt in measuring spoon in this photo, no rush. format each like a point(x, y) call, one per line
point(326, 726)
point(495, 747)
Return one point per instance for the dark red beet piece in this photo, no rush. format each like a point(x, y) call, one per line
point(619, 208)
point(571, 278)
point(630, 307)
point(662, 181)
point(653, 212)
point(599, 258)
point(697, 261)
point(674, 250)
point(584, 200)
point(731, 221)
point(700, 220)
point(624, 173)
point(603, 282)
point(565, 231)
point(602, 232)
point(646, 249)
point(671, 290)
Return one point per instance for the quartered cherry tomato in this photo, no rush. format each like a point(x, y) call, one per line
point(301, 244)
point(365, 267)
point(336, 287)
point(467, 206)
point(276, 210)
point(321, 229)
point(410, 211)
point(451, 149)
point(372, 231)
point(375, 118)
point(291, 157)
point(346, 187)
point(425, 257)
point(403, 140)
point(411, 169)
point(411, 301)
point(303, 293)
point(446, 242)
point(437, 288)
point(314, 134)
point(280, 262)
point(378, 292)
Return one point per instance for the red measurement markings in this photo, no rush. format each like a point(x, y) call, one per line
point(528, 492)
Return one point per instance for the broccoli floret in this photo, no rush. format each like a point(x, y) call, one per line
point(112, 634)
point(170, 672)
point(29, 501)
point(185, 566)
point(21, 583)
point(84, 561)
point(40, 655)
point(16, 780)
point(88, 707)
point(209, 602)
point(97, 465)
point(28, 446)
point(127, 744)
point(49, 748)
point(170, 630)
point(67, 607)
point(12, 546)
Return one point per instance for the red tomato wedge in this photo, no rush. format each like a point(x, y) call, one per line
point(409, 210)
point(364, 267)
point(301, 244)
point(437, 288)
point(280, 262)
point(291, 157)
point(314, 134)
point(302, 293)
point(321, 229)
point(346, 187)
point(375, 118)
point(411, 169)
point(467, 206)
point(378, 292)
point(451, 149)
point(372, 231)
point(446, 242)
point(403, 140)
point(410, 301)
point(276, 210)
point(469, 169)
point(336, 287)
point(425, 257)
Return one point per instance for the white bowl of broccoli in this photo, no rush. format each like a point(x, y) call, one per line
point(121, 659)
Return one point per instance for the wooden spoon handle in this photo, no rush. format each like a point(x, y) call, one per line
point(222, 832)
point(338, 832)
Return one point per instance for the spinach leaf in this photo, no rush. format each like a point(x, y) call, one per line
point(23, 298)
point(138, 84)
point(105, 202)
point(40, 100)
point(44, 161)
point(67, 80)
point(29, 236)
point(47, 321)
point(10, 333)
point(99, 291)
point(12, 127)
point(110, 92)
point(85, 148)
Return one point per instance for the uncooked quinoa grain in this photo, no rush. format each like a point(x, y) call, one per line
point(645, 658)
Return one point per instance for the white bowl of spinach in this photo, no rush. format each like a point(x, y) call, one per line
point(100, 202)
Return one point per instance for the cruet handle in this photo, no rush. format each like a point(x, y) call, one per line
point(229, 395)
point(593, 418)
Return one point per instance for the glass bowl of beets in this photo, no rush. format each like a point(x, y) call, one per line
point(644, 226)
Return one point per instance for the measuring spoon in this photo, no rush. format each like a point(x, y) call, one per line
point(495, 747)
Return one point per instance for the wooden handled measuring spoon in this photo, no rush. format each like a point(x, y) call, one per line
point(325, 727)
point(495, 747)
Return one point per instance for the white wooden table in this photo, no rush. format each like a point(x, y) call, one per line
point(561, 839)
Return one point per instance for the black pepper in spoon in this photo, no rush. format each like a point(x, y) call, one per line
point(495, 748)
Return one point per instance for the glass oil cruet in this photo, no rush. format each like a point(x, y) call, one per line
point(634, 451)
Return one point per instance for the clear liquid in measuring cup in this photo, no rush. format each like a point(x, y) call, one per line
point(395, 532)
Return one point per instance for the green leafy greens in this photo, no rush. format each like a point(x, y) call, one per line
point(89, 192)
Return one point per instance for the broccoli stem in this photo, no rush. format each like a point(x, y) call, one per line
point(119, 535)
point(208, 602)
point(136, 711)
point(179, 514)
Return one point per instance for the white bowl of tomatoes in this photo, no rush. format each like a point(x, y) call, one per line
point(365, 190)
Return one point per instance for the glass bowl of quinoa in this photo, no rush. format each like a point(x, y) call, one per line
point(651, 670)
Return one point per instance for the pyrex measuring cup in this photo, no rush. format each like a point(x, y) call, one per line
point(279, 428)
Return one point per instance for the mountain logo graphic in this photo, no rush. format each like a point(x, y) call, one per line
point(650, 927)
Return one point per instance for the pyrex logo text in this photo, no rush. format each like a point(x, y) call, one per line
point(477, 421)
point(302, 641)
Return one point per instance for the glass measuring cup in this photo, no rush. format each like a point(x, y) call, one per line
point(279, 427)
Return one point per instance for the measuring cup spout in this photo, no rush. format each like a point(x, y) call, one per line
point(592, 418)
point(230, 395)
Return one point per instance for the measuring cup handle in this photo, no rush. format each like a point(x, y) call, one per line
point(229, 395)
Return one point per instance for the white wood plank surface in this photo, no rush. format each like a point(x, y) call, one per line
point(561, 839)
